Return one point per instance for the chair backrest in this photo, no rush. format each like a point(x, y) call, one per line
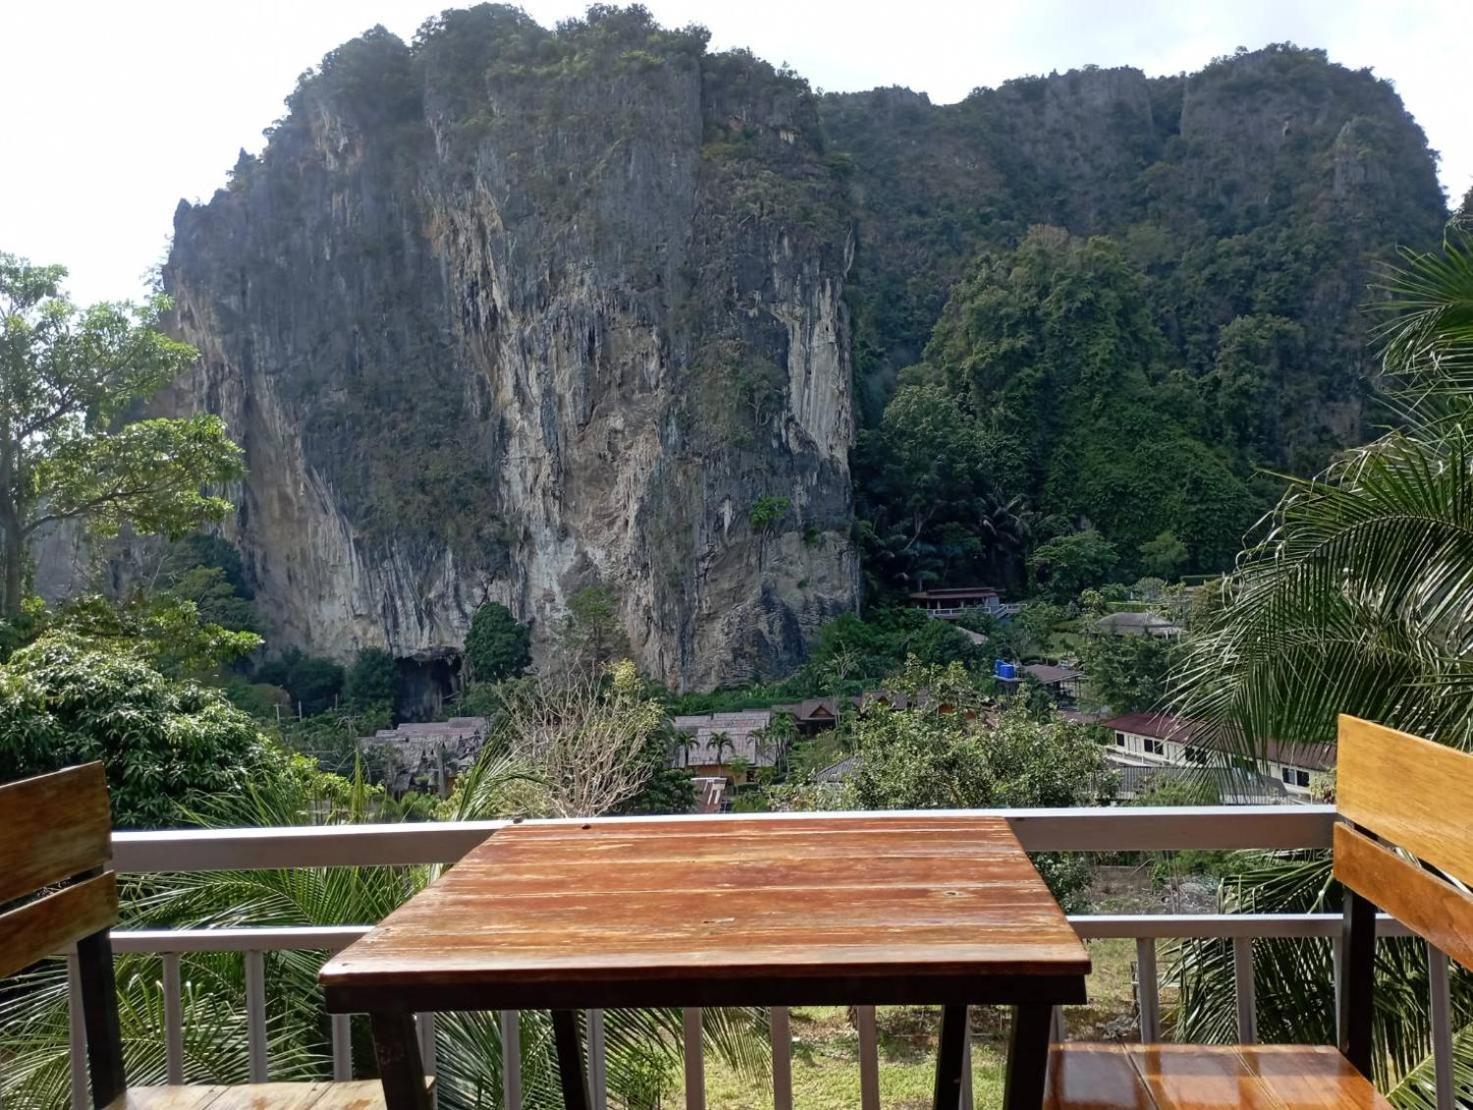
point(55, 845)
point(1400, 791)
point(55, 832)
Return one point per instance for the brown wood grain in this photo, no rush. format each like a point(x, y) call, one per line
point(38, 929)
point(1094, 1077)
point(640, 910)
point(1304, 1077)
point(363, 1094)
point(166, 1098)
point(1197, 1077)
point(1408, 791)
point(359, 1094)
point(270, 1096)
point(1431, 907)
point(51, 828)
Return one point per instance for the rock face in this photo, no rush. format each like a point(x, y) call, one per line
point(508, 314)
point(511, 312)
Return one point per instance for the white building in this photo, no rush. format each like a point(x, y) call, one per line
point(1159, 740)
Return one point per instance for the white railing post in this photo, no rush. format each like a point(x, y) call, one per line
point(695, 1062)
point(342, 1047)
point(1337, 953)
point(1243, 982)
point(1442, 1026)
point(780, 1029)
point(511, 1060)
point(173, 1019)
point(255, 984)
point(77, 1034)
point(1148, 989)
point(598, 1078)
point(425, 1027)
point(869, 1058)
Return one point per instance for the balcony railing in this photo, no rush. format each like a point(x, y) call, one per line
point(1135, 829)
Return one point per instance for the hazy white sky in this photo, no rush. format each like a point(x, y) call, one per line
point(117, 109)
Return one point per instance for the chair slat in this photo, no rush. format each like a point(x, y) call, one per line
point(1432, 908)
point(1408, 791)
point(51, 828)
point(47, 925)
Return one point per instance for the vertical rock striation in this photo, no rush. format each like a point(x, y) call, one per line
point(512, 312)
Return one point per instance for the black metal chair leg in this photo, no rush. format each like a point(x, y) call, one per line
point(1027, 1072)
point(570, 1064)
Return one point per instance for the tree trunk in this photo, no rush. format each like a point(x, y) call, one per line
point(12, 552)
point(12, 540)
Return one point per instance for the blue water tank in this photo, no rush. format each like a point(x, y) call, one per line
point(1004, 670)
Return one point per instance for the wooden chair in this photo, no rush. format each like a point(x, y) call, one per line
point(56, 842)
point(1393, 790)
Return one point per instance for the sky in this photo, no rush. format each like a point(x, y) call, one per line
point(116, 110)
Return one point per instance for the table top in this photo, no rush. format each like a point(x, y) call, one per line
point(788, 911)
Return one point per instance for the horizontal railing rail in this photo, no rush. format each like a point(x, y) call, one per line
point(1086, 829)
point(1093, 830)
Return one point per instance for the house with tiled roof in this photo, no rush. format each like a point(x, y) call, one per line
point(1161, 740)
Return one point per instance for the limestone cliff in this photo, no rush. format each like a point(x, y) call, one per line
point(510, 312)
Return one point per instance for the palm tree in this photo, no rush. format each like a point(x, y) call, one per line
point(1355, 596)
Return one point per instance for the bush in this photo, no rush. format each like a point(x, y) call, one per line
point(165, 744)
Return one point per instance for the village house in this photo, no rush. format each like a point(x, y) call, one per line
point(1138, 624)
point(813, 715)
point(426, 756)
point(948, 603)
point(1159, 740)
point(1062, 683)
point(726, 745)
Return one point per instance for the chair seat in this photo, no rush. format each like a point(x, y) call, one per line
point(1155, 1077)
point(364, 1094)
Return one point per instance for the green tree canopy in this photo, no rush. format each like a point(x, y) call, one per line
point(1066, 565)
point(371, 682)
point(1047, 391)
point(592, 633)
point(497, 646)
point(166, 744)
point(67, 378)
point(312, 681)
point(1163, 556)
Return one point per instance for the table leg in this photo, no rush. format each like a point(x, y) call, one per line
point(951, 1058)
point(570, 1060)
point(396, 1046)
point(1027, 1066)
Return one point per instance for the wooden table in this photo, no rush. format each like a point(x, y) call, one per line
point(873, 910)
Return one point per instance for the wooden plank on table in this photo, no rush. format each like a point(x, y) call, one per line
point(1430, 906)
point(45, 926)
point(52, 827)
point(1408, 791)
point(359, 1094)
point(1311, 1077)
point(1199, 1076)
point(630, 906)
point(1094, 1077)
point(166, 1098)
point(270, 1096)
